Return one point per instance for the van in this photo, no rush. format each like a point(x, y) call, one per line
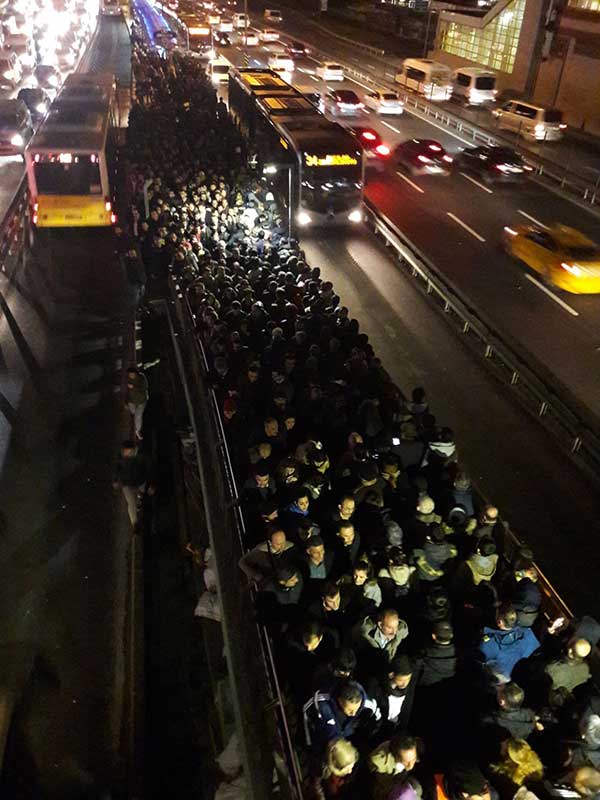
point(530, 121)
point(241, 20)
point(474, 86)
point(218, 70)
point(273, 15)
point(427, 77)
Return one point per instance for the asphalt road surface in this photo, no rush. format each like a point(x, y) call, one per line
point(66, 332)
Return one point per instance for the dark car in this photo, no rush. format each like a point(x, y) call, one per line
point(16, 127)
point(493, 164)
point(221, 39)
point(423, 157)
point(36, 100)
point(297, 48)
point(340, 102)
point(377, 153)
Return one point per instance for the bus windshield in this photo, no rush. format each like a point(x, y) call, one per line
point(331, 188)
point(78, 178)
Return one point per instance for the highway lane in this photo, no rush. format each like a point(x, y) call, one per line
point(65, 330)
point(571, 153)
point(513, 460)
point(457, 222)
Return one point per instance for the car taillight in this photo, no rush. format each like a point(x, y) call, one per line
point(107, 204)
point(572, 268)
point(360, 105)
point(435, 147)
point(424, 159)
point(562, 126)
point(113, 218)
point(369, 136)
point(382, 150)
point(449, 159)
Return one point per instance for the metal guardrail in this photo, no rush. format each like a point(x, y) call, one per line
point(534, 386)
point(258, 704)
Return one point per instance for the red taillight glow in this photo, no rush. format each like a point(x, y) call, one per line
point(424, 159)
point(382, 149)
point(449, 159)
point(113, 218)
point(562, 126)
point(36, 158)
point(369, 136)
point(435, 147)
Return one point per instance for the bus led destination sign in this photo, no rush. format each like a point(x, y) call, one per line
point(330, 160)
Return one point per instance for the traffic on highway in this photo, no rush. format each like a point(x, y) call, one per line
point(457, 203)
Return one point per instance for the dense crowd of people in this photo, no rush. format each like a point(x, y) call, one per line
point(409, 635)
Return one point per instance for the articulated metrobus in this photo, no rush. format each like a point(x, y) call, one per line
point(317, 165)
point(69, 158)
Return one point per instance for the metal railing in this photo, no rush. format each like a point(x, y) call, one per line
point(576, 429)
point(258, 704)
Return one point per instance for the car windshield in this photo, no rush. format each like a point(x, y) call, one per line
point(389, 96)
point(331, 188)
point(486, 83)
point(347, 96)
point(505, 154)
point(78, 178)
point(334, 67)
point(583, 253)
point(553, 115)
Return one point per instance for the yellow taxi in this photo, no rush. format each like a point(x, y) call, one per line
point(563, 256)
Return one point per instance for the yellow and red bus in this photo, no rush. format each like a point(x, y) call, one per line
point(69, 158)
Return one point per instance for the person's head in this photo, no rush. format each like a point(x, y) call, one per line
point(332, 597)
point(302, 499)
point(132, 374)
point(462, 482)
point(262, 475)
point(312, 635)
point(346, 533)
point(361, 573)
point(520, 761)
point(510, 696)
point(315, 548)
point(229, 408)
point(400, 674)
point(436, 534)
point(128, 449)
point(344, 663)
point(388, 623)
point(586, 781)
point(489, 515)
point(287, 578)
point(578, 650)
point(506, 617)
point(425, 505)
point(271, 427)
point(368, 473)
point(486, 547)
point(277, 541)
point(442, 632)
point(390, 464)
point(404, 749)
point(466, 781)
point(346, 506)
point(340, 757)
point(589, 729)
point(349, 698)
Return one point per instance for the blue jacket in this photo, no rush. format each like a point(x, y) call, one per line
point(324, 720)
point(502, 650)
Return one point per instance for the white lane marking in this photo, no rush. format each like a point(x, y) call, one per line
point(550, 294)
point(364, 85)
point(410, 183)
point(533, 219)
point(391, 127)
point(481, 186)
point(314, 77)
point(465, 226)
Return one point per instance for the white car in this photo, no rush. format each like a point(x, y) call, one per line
point(269, 35)
point(330, 71)
point(250, 37)
point(226, 26)
point(385, 102)
point(281, 63)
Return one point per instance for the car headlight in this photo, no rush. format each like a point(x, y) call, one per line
point(355, 216)
point(17, 140)
point(8, 74)
point(41, 108)
point(303, 218)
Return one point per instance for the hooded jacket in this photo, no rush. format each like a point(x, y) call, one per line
point(324, 720)
point(502, 650)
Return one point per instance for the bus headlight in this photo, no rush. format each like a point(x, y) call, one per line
point(355, 216)
point(303, 218)
point(17, 140)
